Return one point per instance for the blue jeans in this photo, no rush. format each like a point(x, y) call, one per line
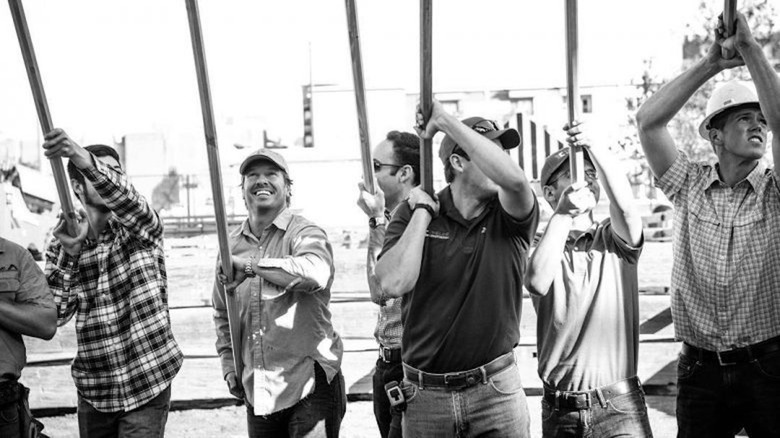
point(497, 408)
point(9, 421)
point(317, 415)
point(621, 416)
point(387, 418)
point(718, 401)
point(147, 421)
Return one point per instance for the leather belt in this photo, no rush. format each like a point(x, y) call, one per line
point(389, 355)
point(575, 400)
point(461, 379)
point(733, 357)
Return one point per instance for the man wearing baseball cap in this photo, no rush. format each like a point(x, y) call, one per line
point(282, 272)
point(458, 261)
point(725, 278)
point(582, 277)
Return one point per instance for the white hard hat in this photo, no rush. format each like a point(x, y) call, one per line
point(728, 95)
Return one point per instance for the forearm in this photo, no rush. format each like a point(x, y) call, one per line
point(491, 159)
point(127, 204)
point(399, 268)
point(665, 103)
point(28, 319)
point(623, 213)
point(306, 272)
point(767, 84)
point(60, 271)
point(376, 237)
point(546, 258)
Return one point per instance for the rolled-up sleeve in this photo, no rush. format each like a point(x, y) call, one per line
point(311, 261)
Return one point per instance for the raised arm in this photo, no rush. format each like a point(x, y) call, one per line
point(626, 221)
point(374, 207)
point(127, 204)
point(545, 261)
point(654, 115)
point(515, 193)
point(764, 77)
point(399, 267)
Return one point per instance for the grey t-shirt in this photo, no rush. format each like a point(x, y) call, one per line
point(588, 323)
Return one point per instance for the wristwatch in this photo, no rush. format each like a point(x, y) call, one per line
point(425, 207)
point(250, 262)
point(376, 221)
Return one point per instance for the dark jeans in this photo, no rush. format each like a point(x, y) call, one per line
point(317, 415)
point(387, 418)
point(9, 421)
point(622, 416)
point(147, 421)
point(718, 401)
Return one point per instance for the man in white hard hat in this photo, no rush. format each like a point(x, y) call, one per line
point(725, 279)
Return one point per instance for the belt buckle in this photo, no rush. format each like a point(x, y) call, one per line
point(383, 353)
point(722, 362)
point(588, 402)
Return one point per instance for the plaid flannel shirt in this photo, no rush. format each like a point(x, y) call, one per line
point(725, 276)
point(117, 288)
point(389, 330)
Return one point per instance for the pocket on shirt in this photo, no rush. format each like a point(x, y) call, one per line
point(9, 285)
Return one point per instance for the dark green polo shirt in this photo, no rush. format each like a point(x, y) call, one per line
point(464, 310)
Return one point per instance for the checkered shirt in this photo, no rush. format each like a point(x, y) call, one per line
point(117, 288)
point(725, 277)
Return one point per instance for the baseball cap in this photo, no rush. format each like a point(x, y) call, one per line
point(555, 161)
point(729, 95)
point(489, 129)
point(265, 155)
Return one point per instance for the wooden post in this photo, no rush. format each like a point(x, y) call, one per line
point(216, 179)
point(730, 22)
point(576, 163)
point(520, 156)
point(534, 153)
point(426, 92)
point(360, 94)
point(42, 107)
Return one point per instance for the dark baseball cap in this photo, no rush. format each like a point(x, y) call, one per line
point(555, 161)
point(264, 155)
point(509, 137)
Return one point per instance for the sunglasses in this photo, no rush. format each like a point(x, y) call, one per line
point(378, 165)
point(485, 126)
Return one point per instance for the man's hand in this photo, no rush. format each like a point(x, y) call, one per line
point(742, 38)
point(576, 200)
point(72, 244)
point(434, 122)
point(419, 196)
point(372, 205)
point(714, 54)
point(234, 386)
point(575, 134)
point(58, 144)
point(237, 264)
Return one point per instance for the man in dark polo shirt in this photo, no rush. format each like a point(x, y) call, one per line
point(458, 261)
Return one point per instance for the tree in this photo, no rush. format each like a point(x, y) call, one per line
point(699, 36)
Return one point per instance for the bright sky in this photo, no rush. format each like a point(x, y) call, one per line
point(116, 67)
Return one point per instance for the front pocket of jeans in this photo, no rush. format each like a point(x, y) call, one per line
point(631, 403)
point(547, 410)
point(769, 366)
point(507, 382)
point(410, 391)
point(685, 367)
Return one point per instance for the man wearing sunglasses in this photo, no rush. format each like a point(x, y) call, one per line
point(582, 277)
point(458, 260)
point(397, 171)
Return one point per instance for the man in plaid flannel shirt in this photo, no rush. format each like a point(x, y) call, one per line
point(112, 277)
point(725, 281)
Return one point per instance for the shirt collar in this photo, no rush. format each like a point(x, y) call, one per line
point(754, 177)
point(281, 221)
point(590, 232)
